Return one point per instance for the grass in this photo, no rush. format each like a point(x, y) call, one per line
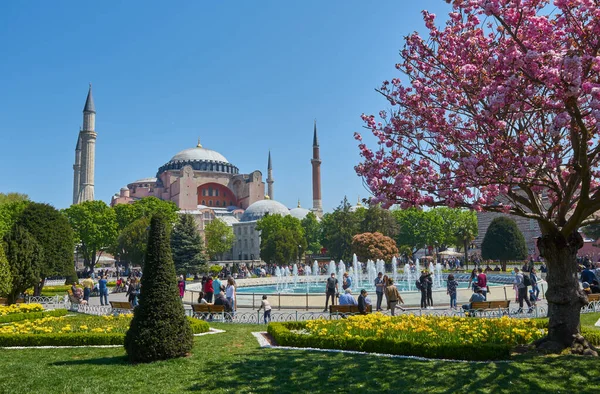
point(233, 363)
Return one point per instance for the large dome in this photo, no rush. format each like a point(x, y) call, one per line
point(299, 213)
point(263, 207)
point(200, 154)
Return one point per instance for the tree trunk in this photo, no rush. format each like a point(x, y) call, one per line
point(466, 246)
point(37, 288)
point(564, 297)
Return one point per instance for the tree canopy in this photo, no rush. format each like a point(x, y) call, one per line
point(219, 238)
point(374, 246)
point(9, 213)
point(503, 241)
point(25, 257)
point(282, 239)
point(132, 241)
point(187, 246)
point(95, 227)
point(312, 233)
point(5, 273)
point(145, 207)
point(338, 229)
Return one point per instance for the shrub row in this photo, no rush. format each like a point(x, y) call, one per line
point(32, 315)
point(593, 336)
point(474, 352)
point(78, 338)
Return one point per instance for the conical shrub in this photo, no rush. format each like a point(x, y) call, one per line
point(159, 329)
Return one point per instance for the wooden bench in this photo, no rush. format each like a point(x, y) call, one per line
point(347, 309)
point(593, 297)
point(121, 306)
point(4, 301)
point(484, 306)
point(206, 311)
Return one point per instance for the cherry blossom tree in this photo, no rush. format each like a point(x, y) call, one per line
point(498, 110)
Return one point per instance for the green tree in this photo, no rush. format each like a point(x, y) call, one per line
point(312, 233)
point(592, 231)
point(7, 198)
point(282, 238)
point(95, 227)
point(187, 246)
point(145, 207)
point(52, 231)
point(377, 219)
point(219, 238)
point(25, 257)
point(339, 227)
point(503, 241)
point(466, 231)
point(159, 329)
point(132, 241)
point(9, 213)
point(5, 274)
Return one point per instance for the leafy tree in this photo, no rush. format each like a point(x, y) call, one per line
point(282, 239)
point(9, 213)
point(503, 241)
point(187, 246)
point(7, 198)
point(312, 233)
point(377, 219)
point(592, 231)
point(339, 227)
point(466, 231)
point(418, 229)
point(145, 207)
point(95, 228)
point(499, 111)
point(159, 329)
point(5, 273)
point(132, 241)
point(219, 238)
point(54, 234)
point(25, 257)
point(374, 246)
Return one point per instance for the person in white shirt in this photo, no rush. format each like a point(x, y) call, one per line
point(267, 307)
point(230, 293)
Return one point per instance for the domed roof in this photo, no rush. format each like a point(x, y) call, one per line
point(263, 207)
point(199, 153)
point(299, 213)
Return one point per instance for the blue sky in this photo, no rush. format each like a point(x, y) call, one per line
point(244, 76)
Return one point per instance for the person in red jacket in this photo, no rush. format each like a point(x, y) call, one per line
point(208, 290)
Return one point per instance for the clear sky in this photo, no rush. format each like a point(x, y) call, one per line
point(244, 76)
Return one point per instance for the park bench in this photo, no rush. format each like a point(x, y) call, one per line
point(121, 307)
point(593, 297)
point(347, 309)
point(486, 306)
point(4, 301)
point(207, 311)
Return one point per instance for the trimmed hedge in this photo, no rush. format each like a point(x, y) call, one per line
point(78, 339)
point(32, 315)
point(473, 352)
point(593, 336)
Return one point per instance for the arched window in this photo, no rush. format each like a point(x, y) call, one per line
point(218, 203)
point(203, 202)
point(210, 191)
point(210, 203)
point(217, 192)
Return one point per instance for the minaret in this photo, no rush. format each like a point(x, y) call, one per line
point(87, 137)
point(77, 170)
point(316, 176)
point(270, 178)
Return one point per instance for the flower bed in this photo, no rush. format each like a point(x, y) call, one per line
point(31, 315)
point(425, 336)
point(20, 308)
point(74, 330)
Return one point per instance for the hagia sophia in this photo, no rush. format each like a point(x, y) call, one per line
point(202, 182)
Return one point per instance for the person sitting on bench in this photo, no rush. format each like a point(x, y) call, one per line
point(476, 297)
point(347, 298)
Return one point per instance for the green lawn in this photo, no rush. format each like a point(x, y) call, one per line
point(232, 362)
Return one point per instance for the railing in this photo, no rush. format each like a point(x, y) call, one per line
point(53, 302)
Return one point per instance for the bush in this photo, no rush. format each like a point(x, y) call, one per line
point(32, 315)
point(215, 269)
point(72, 339)
point(159, 329)
point(474, 352)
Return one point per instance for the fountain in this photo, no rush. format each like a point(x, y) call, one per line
point(371, 272)
point(295, 274)
point(408, 277)
point(395, 270)
point(341, 271)
point(380, 266)
point(278, 276)
point(357, 268)
point(331, 268)
point(286, 277)
point(307, 275)
point(438, 275)
point(417, 269)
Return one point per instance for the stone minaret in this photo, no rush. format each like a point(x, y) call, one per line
point(77, 171)
point(270, 179)
point(87, 137)
point(316, 176)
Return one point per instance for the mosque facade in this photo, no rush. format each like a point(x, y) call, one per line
point(202, 182)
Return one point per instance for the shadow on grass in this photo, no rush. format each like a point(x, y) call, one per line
point(281, 371)
point(116, 360)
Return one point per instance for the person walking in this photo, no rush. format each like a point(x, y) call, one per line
point(451, 286)
point(133, 292)
point(208, 289)
point(429, 282)
point(534, 283)
point(422, 287)
point(393, 296)
point(103, 290)
point(482, 282)
point(379, 290)
point(88, 285)
point(267, 309)
point(331, 289)
point(521, 287)
point(385, 284)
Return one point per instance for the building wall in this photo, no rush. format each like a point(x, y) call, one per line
point(247, 241)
